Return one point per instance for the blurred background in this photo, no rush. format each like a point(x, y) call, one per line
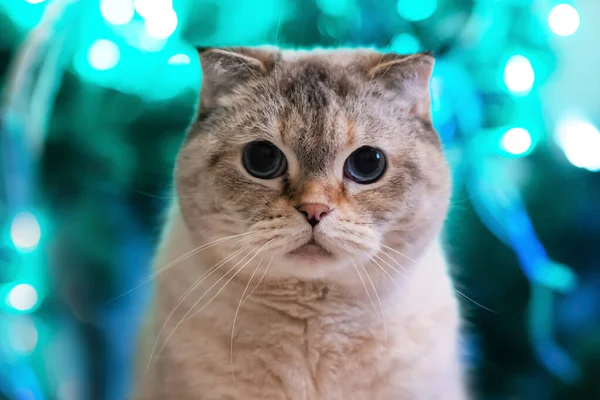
point(96, 96)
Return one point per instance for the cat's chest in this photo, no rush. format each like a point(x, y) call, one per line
point(330, 361)
point(300, 359)
point(305, 345)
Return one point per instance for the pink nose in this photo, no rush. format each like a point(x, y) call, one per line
point(314, 212)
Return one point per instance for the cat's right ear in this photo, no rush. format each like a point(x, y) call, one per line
point(226, 69)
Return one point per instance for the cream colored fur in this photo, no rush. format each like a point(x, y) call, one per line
point(294, 343)
point(378, 320)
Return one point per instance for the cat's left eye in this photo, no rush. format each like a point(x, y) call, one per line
point(365, 165)
point(264, 160)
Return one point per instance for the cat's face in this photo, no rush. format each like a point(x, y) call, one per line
point(321, 158)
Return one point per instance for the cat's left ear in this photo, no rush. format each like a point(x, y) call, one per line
point(408, 78)
point(226, 69)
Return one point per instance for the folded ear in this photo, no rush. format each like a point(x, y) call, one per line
point(225, 69)
point(407, 77)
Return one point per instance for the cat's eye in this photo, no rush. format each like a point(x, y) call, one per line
point(365, 165)
point(264, 160)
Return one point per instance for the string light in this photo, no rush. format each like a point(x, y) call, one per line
point(519, 75)
point(103, 55)
point(412, 10)
point(580, 141)
point(25, 231)
point(564, 20)
point(517, 141)
point(117, 12)
point(23, 297)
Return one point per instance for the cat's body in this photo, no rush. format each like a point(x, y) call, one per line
point(355, 304)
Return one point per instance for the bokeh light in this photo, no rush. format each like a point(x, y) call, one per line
point(334, 7)
point(144, 7)
point(162, 25)
point(103, 55)
point(117, 12)
point(416, 10)
point(25, 231)
point(24, 394)
point(580, 141)
point(517, 141)
point(23, 297)
point(564, 20)
point(68, 390)
point(35, 1)
point(22, 335)
point(405, 43)
point(519, 75)
point(179, 59)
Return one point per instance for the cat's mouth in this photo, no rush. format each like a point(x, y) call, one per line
point(311, 249)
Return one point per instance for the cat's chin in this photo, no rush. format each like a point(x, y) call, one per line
point(311, 252)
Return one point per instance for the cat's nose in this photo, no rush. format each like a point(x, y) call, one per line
point(314, 212)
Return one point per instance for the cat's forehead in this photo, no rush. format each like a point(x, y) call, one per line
point(315, 110)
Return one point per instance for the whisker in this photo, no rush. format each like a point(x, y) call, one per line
point(212, 298)
point(380, 305)
point(151, 195)
point(259, 282)
point(397, 252)
point(473, 301)
point(182, 319)
point(363, 283)
point(394, 260)
point(230, 279)
point(385, 272)
point(237, 310)
point(178, 260)
point(412, 228)
point(197, 283)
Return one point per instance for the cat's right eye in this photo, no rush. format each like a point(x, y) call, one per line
point(264, 160)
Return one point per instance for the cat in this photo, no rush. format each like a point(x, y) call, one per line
point(301, 259)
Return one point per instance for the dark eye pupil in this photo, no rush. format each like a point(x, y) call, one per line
point(367, 161)
point(264, 160)
point(365, 165)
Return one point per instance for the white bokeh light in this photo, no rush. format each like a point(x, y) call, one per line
point(179, 59)
point(117, 12)
point(161, 25)
point(25, 231)
point(103, 55)
point(564, 20)
point(517, 141)
point(23, 297)
point(519, 75)
point(580, 141)
point(148, 8)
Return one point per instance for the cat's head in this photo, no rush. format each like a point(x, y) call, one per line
point(314, 159)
